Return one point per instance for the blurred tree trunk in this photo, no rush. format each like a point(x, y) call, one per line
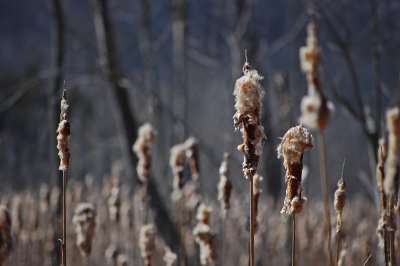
point(53, 110)
point(125, 120)
point(179, 35)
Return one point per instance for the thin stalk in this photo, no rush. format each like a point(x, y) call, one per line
point(293, 239)
point(251, 224)
point(64, 223)
point(337, 247)
point(224, 243)
point(324, 188)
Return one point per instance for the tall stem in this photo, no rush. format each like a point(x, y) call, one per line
point(252, 222)
point(324, 188)
point(293, 239)
point(224, 243)
point(337, 247)
point(64, 222)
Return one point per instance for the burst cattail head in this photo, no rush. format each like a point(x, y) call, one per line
point(177, 162)
point(6, 239)
point(294, 143)
point(315, 108)
point(113, 200)
point(64, 131)
point(204, 237)
point(85, 222)
point(142, 148)
point(170, 258)
point(340, 200)
point(224, 185)
point(391, 182)
point(147, 237)
point(203, 214)
point(248, 96)
point(192, 153)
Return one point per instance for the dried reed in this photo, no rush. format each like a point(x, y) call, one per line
point(294, 143)
point(64, 131)
point(340, 200)
point(247, 118)
point(316, 111)
point(147, 237)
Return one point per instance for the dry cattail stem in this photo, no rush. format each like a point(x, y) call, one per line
point(85, 222)
point(147, 237)
point(294, 143)
point(192, 152)
point(247, 118)
point(224, 185)
point(204, 237)
point(314, 106)
point(257, 179)
point(6, 239)
point(142, 148)
point(64, 131)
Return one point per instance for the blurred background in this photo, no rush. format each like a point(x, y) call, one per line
point(173, 63)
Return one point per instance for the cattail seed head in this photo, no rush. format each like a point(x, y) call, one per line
point(224, 185)
point(85, 222)
point(192, 153)
point(147, 237)
point(380, 171)
point(204, 237)
point(170, 258)
point(248, 96)
point(315, 109)
point(64, 131)
point(340, 200)
point(6, 239)
point(294, 143)
point(114, 201)
point(391, 181)
point(142, 148)
point(177, 162)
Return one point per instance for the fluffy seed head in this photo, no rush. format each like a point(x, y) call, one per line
point(297, 204)
point(293, 144)
point(85, 222)
point(203, 214)
point(192, 153)
point(392, 162)
point(224, 185)
point(142, 148)
point(176, 162)
point(64, 131)
point(147, 237)
point(170, 258)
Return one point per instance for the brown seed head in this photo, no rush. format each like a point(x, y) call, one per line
point(147, 237)
point(392, 162)
point(85, 222)
point(142, 148)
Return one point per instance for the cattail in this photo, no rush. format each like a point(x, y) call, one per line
point(142, 148)
point(247, 118)
point(204, 237)
point(340, 200)
point(391, 182)
point(113, 200)
point(6, 239)
point(177, 162)
point(294, 143)
point(17, 215)
point(64, 131)
point(147, 237)
point(224, 185)
point(170, 258)
point(192, 153)
point(85, 222)
point(315, 108)
point(380, 171)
